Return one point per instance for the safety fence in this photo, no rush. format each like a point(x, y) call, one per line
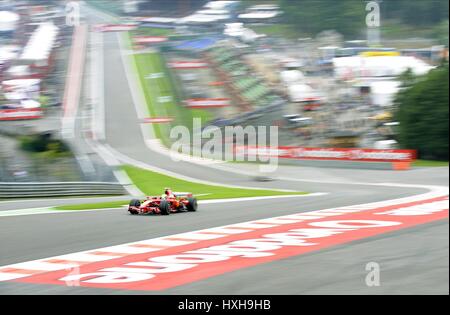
point(338, 157)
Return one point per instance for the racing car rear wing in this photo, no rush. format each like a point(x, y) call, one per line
point(182, 194)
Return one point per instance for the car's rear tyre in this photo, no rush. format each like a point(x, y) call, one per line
point(192, 205)
point(134, 203)
point(164, 207)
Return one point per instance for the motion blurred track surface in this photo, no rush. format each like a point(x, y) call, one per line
point(413, 261)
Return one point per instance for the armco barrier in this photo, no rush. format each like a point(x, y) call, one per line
point(21, 190)
point(343, 164)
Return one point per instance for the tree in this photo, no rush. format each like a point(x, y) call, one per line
point(422, 110)
point(311, 16)
point(421, 13)
point(348, 16)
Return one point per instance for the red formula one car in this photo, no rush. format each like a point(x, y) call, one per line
point(166, 204)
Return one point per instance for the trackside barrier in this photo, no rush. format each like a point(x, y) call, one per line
point(334, 157)
point(27, 190)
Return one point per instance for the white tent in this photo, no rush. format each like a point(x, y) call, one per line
point(234, 29)
point(8, 52)
point(213, 12)
point(18, 71)
point(202, 19)
point(291, 76)
point(158, 20)
point(21, 83)
point(386, 145)
point(383, 92)
point(15, 96)
point(259, 15)
point(359, 66)
point(300, 92)
point(264, 7)
point(21, 89)
point(41, 43)
point(219, 5)
point(28, 104)
point(238, 30)
point(8, 21)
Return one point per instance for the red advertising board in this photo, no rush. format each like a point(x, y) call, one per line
point(157, 120)
point(188, 64)
point(150, 39)
point(114, 27)
point(336, 154)
point(207, 102)
point(20, 114)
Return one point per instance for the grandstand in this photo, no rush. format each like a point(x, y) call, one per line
point(256, 92)
point(249, 93)
point(250, 90)
point(246, 83)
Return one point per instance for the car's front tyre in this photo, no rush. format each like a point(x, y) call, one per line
point(134, 203)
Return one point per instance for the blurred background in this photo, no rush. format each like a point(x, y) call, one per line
point(314, 68)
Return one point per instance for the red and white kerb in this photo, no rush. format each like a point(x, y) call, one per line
point(165, 262)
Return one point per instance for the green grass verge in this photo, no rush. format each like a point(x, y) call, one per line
point(91, 206)
point(427, 163)
point(152, 183)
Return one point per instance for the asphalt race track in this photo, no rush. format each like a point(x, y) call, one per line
point(413, 260)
